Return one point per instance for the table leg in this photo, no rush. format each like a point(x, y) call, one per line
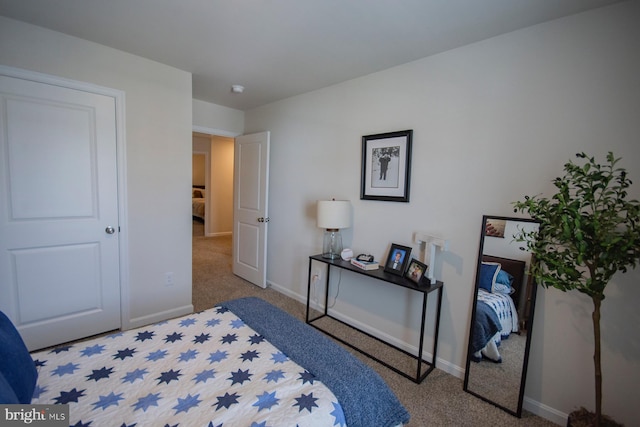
point(308, 289)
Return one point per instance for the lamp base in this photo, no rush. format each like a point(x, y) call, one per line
point(332, 244)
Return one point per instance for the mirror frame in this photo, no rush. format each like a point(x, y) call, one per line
point(528, 325)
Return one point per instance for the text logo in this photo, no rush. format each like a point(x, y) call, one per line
point(35, 415)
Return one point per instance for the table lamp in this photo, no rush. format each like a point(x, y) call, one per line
point(332, 216)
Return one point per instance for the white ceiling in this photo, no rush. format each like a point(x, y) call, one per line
point(281, 48)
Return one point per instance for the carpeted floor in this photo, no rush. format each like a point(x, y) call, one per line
point(438, 401)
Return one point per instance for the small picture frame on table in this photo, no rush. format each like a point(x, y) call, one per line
point(397, 260)
point(416, 271)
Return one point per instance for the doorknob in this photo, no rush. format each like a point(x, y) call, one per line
point(109, 230)
point(261, 219)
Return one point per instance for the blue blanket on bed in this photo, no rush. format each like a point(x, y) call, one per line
point(365, 398)
point(487, 324)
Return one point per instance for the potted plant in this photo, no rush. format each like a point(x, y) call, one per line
point(588, 232)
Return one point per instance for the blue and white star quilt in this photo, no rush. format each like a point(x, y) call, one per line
point(208, 369)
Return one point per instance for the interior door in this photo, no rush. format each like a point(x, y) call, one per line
point(59, 249)
point(250, 205)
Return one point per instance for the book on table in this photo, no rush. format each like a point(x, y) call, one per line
point(365, 265)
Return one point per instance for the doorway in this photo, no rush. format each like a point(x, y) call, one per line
point(211, 237)
point(218, 154)
point(199, 198)
point(237, 192)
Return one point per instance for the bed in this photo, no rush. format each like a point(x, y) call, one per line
point(241, 363)
point(500, 282)
point(197, 202)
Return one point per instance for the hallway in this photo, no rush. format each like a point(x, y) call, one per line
point(212, 275)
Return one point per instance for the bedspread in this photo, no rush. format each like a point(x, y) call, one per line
point(486, 326)
point(365, 398)
point(206, 369)
point(197, 207)
point(505, 309)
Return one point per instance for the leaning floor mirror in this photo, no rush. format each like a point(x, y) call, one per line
point(502, 315)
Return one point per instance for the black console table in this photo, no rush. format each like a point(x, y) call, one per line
point(425, 288)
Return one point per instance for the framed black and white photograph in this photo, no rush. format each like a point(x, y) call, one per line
point(397, 259)
point(386, 166)
point(415, 271)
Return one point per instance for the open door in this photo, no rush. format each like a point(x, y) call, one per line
point(250, 207)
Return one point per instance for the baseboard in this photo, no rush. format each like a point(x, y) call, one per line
point(441, 364)
point(218, 234)
point(287, 292)
point(450, 368)
point(529, 404)
point(158, 317)
point(544, 411)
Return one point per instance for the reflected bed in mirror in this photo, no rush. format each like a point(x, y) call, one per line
point(502, 314)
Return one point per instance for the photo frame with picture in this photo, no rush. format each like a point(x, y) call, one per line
point(416, 271)
point(495, 227)
point(397, 260)
point(386, 166)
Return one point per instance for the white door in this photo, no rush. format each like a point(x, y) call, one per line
point(250, 204)
point(59, 256)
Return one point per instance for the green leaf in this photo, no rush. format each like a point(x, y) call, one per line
point(588, 224)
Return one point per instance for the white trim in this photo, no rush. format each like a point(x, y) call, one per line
point(544, 411)
point(58, 81)
point(212, 131)
point(284, 291)
point(161, 316)
point(121, 159)
point(121, 147)
point(219, 234)
point(529, 404)
point(441, 364)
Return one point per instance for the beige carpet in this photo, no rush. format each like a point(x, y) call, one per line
point(438, 401)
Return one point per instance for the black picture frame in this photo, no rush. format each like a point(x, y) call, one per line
point(416, 270)
point(397, 267)
point(386, 166)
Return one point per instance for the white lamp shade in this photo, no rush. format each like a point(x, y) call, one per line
point(334, 214)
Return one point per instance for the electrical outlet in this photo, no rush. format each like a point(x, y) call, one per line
point(168, 279)
point(317, 275)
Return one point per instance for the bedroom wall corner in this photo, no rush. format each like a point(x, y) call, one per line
point(158, 154)
point(484, 136)
point(215, 119)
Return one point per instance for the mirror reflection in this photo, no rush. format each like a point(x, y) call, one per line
point(500, 330)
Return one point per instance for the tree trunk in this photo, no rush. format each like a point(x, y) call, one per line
point(597, 300)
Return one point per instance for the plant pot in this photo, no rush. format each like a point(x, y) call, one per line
point(585, 418)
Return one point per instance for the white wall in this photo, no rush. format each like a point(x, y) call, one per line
point(492, 122)
point(158, 156)
point(221, 185)
point(216, 119)
point(198, 172)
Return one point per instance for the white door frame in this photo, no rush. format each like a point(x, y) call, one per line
point(213, 131)
point(119, 98)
